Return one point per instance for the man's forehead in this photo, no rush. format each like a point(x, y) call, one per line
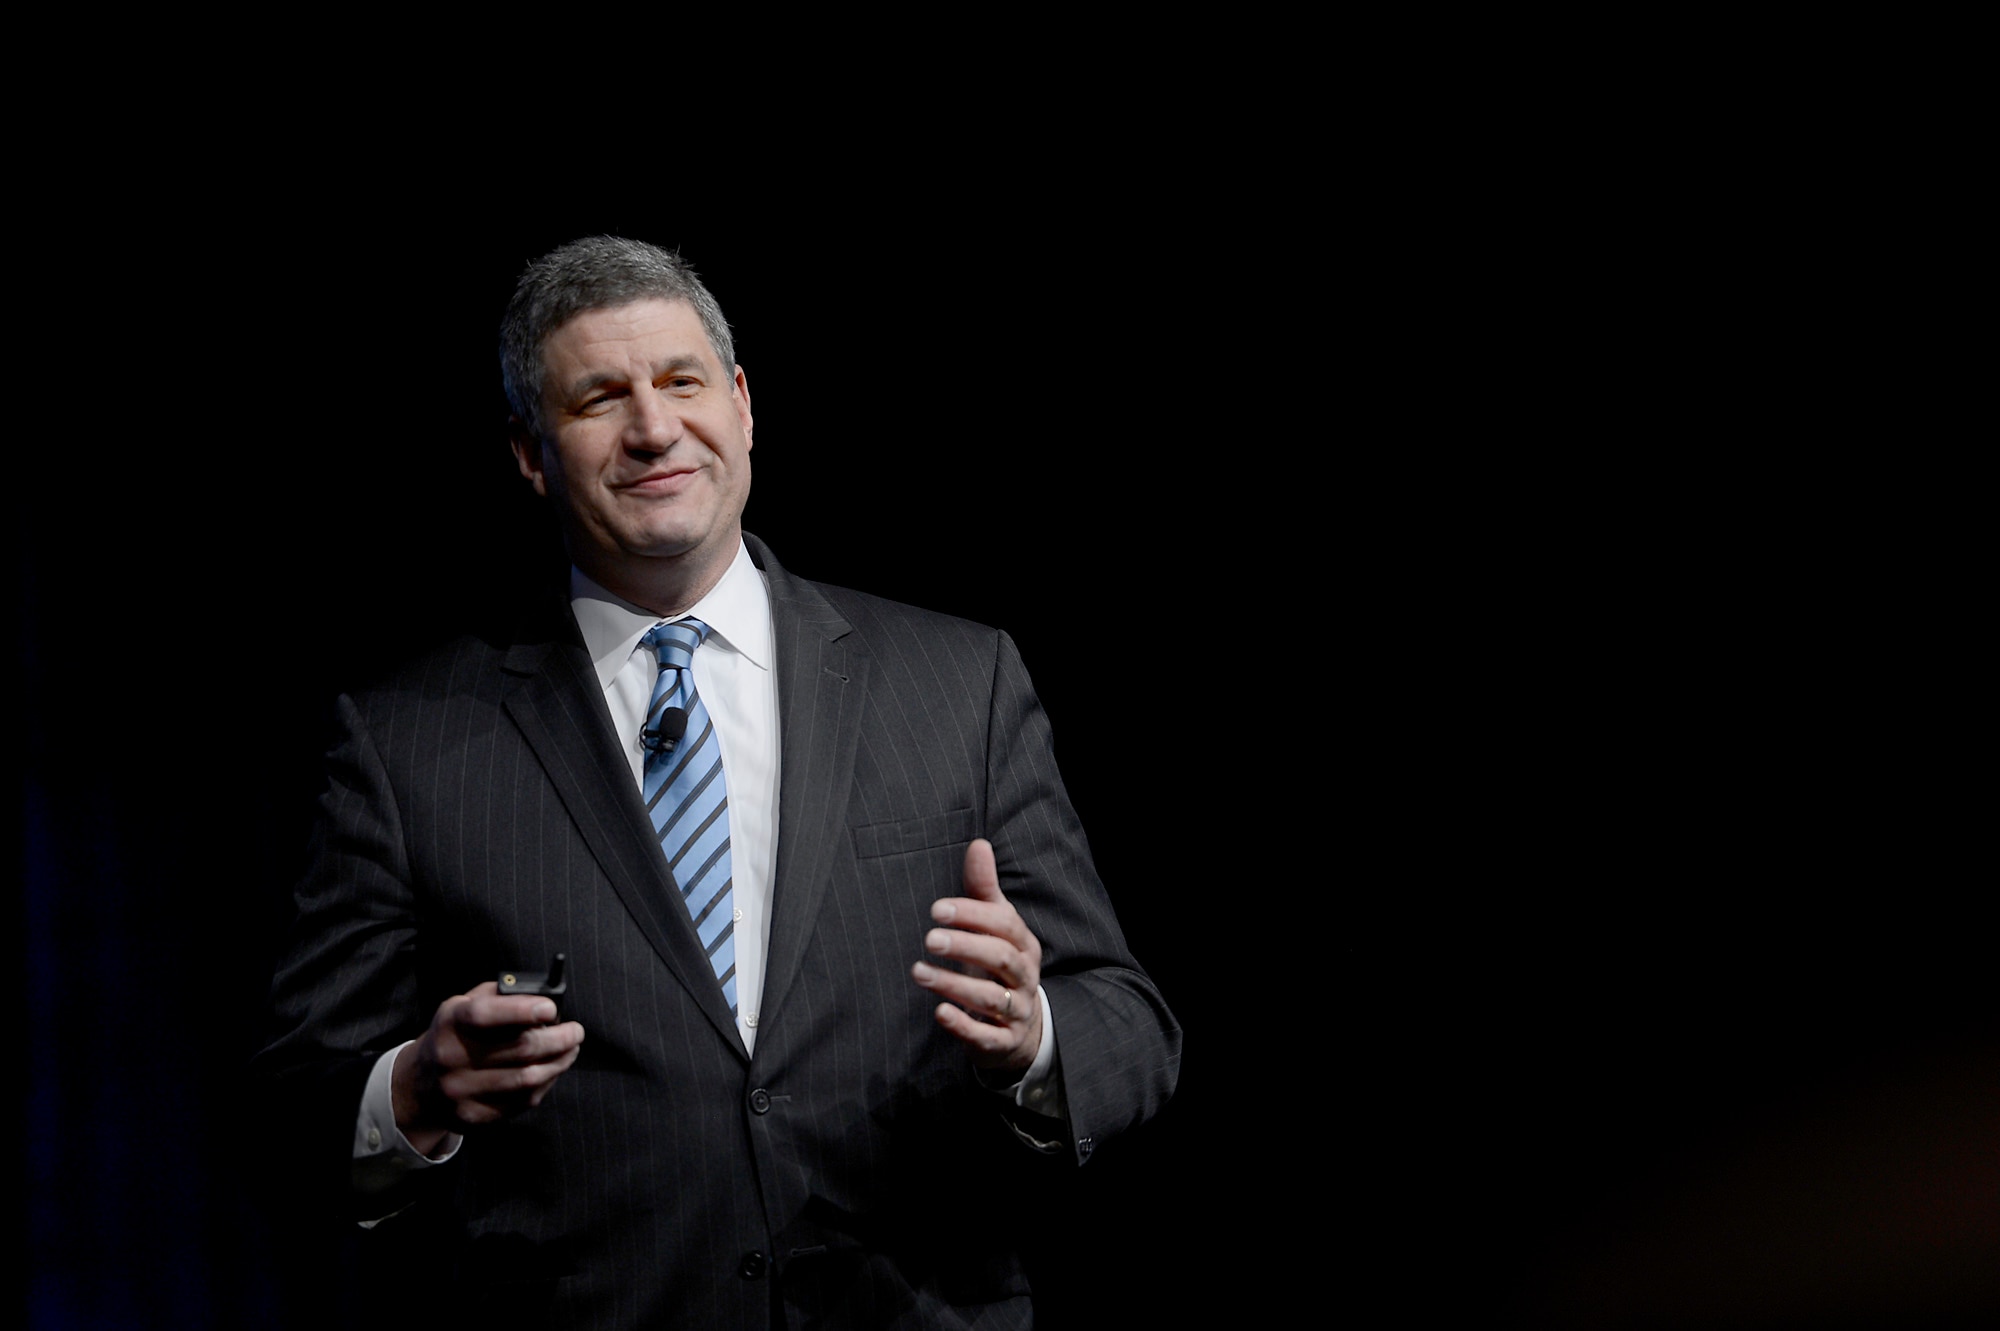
point(656, 326)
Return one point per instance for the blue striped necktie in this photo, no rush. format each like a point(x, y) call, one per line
point(689, 801)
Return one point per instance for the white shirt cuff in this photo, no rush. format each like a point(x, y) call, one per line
point(383, 1156)
point(1039, 1091)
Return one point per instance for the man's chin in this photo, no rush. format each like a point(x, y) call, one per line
point(683, 545)
point(611, 550)
point(647, 570)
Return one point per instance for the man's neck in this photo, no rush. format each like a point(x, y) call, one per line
point(666, 587)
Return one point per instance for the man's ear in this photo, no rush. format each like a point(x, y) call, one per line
point(739, 388)
point(527, 454)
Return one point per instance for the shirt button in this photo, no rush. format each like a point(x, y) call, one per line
point(374, 1139)
point(737, 914)
point(751, 1021)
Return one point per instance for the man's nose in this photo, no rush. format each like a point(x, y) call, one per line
point(653, 424)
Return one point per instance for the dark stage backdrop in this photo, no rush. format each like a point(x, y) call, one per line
point(307, 479)
point(1600, 704)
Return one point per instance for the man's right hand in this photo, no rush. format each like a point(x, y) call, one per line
point(485, 1057)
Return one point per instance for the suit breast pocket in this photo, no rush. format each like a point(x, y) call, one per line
point(953, 827)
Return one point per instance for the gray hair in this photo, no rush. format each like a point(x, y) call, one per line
point(596, 273)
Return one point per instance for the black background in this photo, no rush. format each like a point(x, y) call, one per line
point(1596, 939)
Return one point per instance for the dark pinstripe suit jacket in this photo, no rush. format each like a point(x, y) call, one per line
point(853, 1173)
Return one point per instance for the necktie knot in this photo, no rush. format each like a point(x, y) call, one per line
point(675, 643)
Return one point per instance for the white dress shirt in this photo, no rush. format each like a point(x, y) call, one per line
point(734, 674)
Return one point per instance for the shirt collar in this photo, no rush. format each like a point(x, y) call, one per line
point(737, 611)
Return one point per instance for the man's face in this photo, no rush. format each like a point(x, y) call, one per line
point(644, 446)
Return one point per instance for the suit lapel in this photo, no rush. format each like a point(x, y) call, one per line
point(557, 703)
point(822, 685)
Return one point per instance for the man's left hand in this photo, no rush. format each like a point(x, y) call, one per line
point(995, 1007)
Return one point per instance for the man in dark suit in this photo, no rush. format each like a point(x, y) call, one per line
point(755, 1106)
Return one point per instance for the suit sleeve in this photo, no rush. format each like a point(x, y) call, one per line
point(1120, 1046)
point(346, 990)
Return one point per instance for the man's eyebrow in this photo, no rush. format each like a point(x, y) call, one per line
point(672, 365)
point(677, 364)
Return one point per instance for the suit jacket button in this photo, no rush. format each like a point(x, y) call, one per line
point(752, 1265)
point(760, 1103)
